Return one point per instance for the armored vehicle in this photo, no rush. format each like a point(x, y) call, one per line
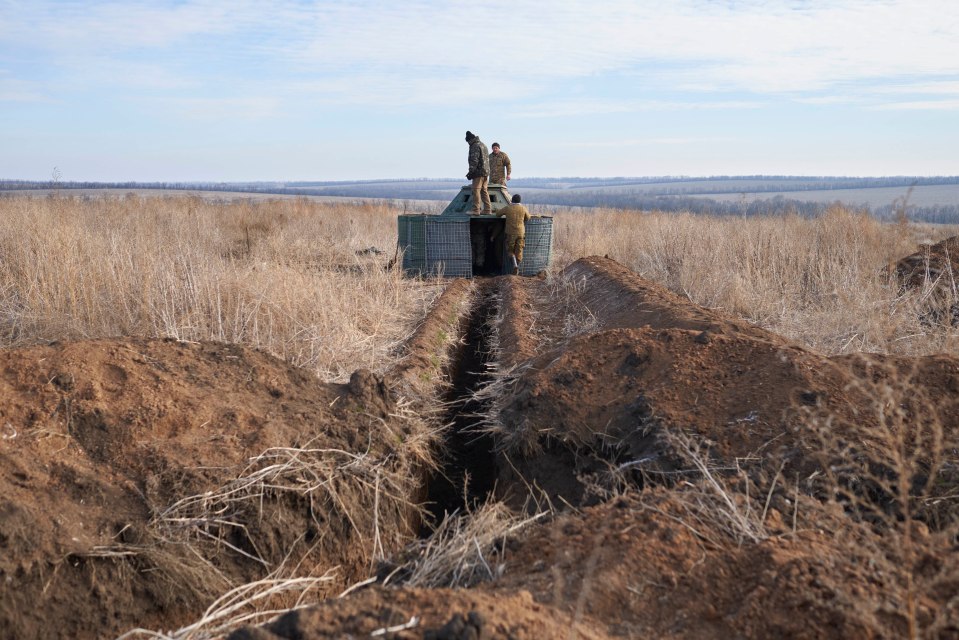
point(460, 244)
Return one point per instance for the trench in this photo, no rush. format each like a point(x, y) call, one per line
point(467, 475)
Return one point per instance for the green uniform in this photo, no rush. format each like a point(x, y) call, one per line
point(479, 174)
point(477, 159)
point(499, 168)
point(516, 216)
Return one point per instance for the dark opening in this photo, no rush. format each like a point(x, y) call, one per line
point(468, 472)
point(487, 245)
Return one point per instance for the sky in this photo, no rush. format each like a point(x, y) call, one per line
point(198, 90)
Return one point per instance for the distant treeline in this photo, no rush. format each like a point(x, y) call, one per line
point(9, 185)
point(779, 205)
point(584, 192)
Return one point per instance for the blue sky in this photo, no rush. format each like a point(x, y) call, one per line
point(211, 90)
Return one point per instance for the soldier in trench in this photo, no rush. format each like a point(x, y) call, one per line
point(516, 216)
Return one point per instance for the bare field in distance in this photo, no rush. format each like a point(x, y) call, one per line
point(922, 195)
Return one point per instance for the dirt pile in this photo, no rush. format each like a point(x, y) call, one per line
point(933, 272)
point(641, 566)
point(432, 614)
point(703, 478)
point(655, 371)
point(142, 478)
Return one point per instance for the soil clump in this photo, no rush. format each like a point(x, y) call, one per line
point(933, 271)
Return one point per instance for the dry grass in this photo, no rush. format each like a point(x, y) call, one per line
point(293, 277)
point(462, 551)
point(249, 604)
point(896, 472)
point(816, 281)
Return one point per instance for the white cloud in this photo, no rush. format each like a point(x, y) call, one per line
point(920, 105)
point(389, 90)
point(570, 108)
point(422, 52)
point(234, 108)
point(16, 90)
point(642, 142)
point(948, 87)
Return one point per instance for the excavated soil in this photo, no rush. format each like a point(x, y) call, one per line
point(933, 271)
point(142, 478)
point(653, 370)
point(703, 477)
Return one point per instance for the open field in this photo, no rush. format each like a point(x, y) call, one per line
point(920, 196)
point(221, 197)
point(213, 413)
point(937, 197)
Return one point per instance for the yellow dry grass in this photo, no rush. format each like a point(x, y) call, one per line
point(287, 276)
point(291, 276)
point(816, 281)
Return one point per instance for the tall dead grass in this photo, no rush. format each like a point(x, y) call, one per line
point(813, 280)
point(300, 279)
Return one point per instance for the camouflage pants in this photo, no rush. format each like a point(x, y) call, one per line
point(480, 193)
point(515, 246)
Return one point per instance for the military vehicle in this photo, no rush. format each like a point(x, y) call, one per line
point(459, 244)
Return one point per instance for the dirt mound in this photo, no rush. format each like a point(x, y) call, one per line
point(641, 567)
point(657, 372)
point(706, 478)
point(933, 271)
point(433, 614)
point(140, 478)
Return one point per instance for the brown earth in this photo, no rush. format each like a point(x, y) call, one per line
point(440, 614)
point(101, 438)
point(636, 569)
point(706, 478)
point(933, 271)
point(652, 369)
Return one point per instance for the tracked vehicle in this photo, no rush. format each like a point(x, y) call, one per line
point(457, 243)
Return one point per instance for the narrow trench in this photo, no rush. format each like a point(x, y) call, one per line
point(468, 471)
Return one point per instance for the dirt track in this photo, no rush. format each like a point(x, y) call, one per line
point(705, 477)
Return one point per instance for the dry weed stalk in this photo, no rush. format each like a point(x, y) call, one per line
point(896, 471)
point(253, 603)
point(713, 503)
point(361, 488)
point(460, 552)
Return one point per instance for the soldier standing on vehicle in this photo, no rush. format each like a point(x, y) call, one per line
point(479, 173)
point(516, 216)
point(500, 168)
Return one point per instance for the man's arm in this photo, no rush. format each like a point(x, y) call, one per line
point(508, 166)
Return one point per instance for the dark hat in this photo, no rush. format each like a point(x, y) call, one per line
point(469, 136)
point(516, 198)
point(495, 144)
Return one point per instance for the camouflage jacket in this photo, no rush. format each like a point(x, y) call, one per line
point(499, 167)
point(478, 159)
point(516, 216)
